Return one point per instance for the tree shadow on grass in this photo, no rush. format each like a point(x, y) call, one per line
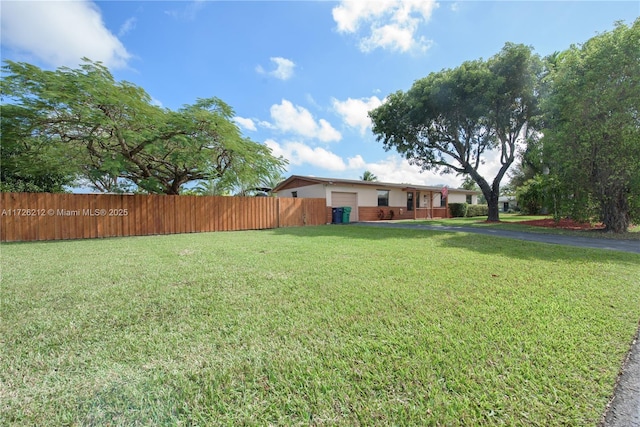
point(530, 250)
point(486, 244)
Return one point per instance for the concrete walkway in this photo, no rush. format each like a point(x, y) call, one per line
point(624, 408)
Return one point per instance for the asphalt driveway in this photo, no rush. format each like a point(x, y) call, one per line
point(554, 239)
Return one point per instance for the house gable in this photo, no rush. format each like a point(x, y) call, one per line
point(296, 181)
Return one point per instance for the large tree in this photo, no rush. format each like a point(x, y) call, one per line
point(452, 120)
point(122, 135)
point(592, 135)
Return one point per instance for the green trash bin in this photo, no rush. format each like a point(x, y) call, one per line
point(346, 211)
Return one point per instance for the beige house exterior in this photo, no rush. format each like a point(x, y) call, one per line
point(372, 200)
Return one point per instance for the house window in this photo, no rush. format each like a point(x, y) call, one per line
point(383, 197)
point(443, 201)
point(294, 194)
point(410, 201)
point(469, 199)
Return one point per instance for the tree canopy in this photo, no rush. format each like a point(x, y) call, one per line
point(451, 120)
point(592, 133)
point(27, 165)
point(112, 133)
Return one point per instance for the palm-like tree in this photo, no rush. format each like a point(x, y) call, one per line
point(212, 187)
point(368, 176)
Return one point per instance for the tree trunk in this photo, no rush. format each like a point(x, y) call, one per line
point(615, 214)
point(494, 207)
point(490, 193)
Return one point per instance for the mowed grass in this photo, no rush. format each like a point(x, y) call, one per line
point(329, 325)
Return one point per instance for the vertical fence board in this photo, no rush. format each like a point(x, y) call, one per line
point(212, 213)
point(163, 216)
point(125, 214)
point(171, 207)
point(7, 229)
point(40, 220)
point(25, 218)
point(245, 203)
point(143, 223)
point(226, 214)
point(181, 211)
point(193, 213)
point(232, 214)
point(15, 220)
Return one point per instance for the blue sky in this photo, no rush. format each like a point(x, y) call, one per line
point(300, 75)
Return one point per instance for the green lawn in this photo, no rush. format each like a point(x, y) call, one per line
point(329, 325)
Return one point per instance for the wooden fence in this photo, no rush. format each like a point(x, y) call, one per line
point(45, 216)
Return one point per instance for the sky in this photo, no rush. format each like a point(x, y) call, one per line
point(300, 75)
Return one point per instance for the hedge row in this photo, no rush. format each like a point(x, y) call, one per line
point(459, 210)
point(478, 210)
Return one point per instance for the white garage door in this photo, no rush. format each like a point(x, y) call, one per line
point(340, 199)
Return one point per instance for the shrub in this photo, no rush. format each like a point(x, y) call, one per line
point(477, 210)
point(458, 210)
point(531, 195)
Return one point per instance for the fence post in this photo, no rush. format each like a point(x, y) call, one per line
point(278, 212)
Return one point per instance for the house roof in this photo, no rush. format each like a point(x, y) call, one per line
point(296, 181)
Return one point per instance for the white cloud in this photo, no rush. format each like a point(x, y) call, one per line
point(312, 101)
point(245, 123)
point(349, 14)
point(490, 165)
point(265, 124)
point(296, 119)
point(392, 37)
point(357, 163)
point(298, 153)
point(355, 112)
point(156, 102)
point(391, 24)
point(187, 13)
point(398, 170)
point(61, 33)
point(128, 25)
point(283, 71)
point(391, 169)
point(327, 133)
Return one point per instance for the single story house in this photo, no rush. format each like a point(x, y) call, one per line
point(373, 200)
point(507, 203)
